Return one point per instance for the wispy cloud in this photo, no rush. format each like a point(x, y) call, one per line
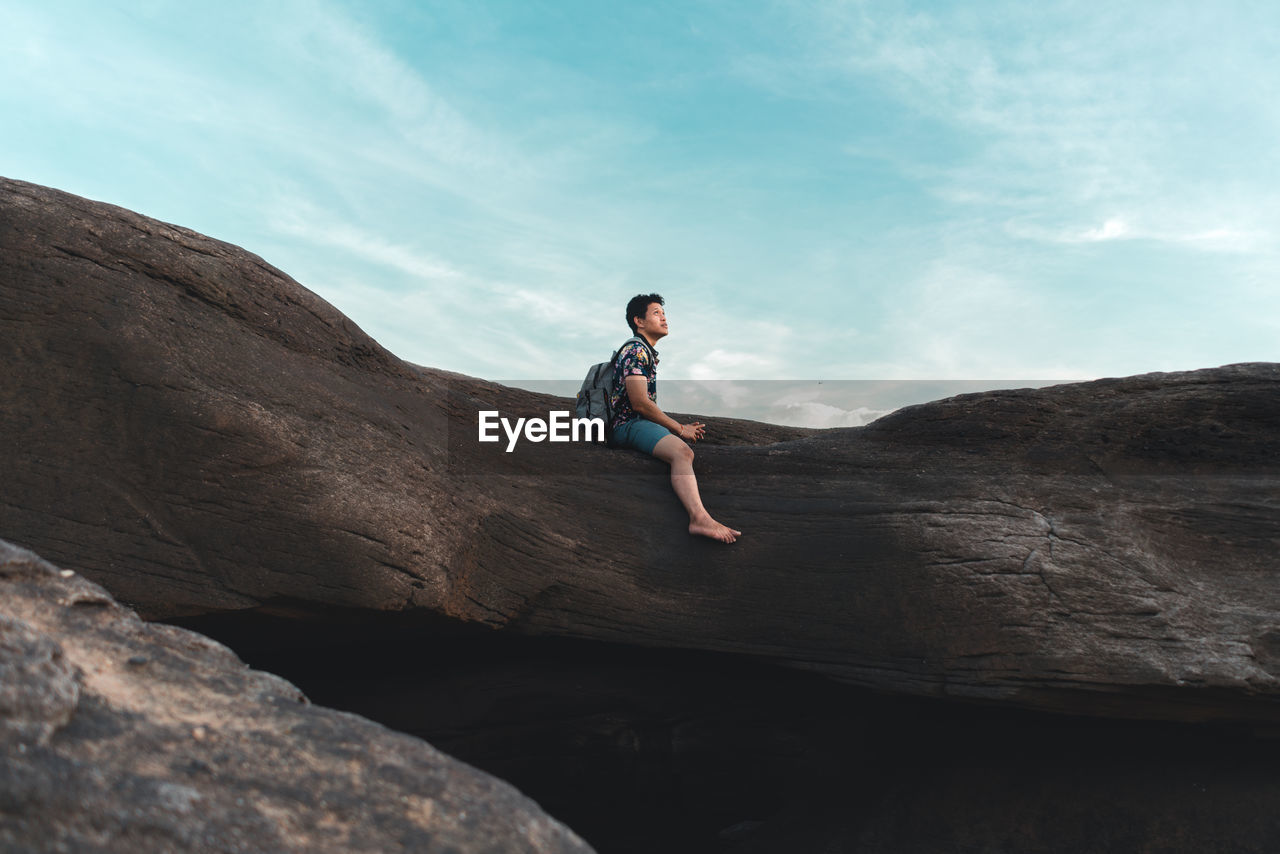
point(961, 322)
point(1077, 111)
point(723, 364)
point(521, 329)
point(1112, 229)
point(1223, 238)
point(304, 220)
point(353, 61)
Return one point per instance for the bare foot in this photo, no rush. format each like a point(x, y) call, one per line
point(709, 527)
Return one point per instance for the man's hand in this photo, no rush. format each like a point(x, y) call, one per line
point(693, 432)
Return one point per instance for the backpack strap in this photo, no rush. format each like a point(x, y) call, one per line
point(618, 352)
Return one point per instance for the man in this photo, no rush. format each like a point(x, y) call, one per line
point(638, 422)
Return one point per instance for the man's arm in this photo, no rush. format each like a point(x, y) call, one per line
point(638, 394)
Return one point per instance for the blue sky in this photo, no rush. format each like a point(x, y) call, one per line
point(821, 190)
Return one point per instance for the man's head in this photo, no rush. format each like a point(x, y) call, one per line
point(645, 316)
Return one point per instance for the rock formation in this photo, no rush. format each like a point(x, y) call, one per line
point(118, 735)
point(197, 432)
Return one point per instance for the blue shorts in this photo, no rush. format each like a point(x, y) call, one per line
point(639, 433)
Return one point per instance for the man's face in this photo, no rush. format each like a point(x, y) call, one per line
point(654, 321)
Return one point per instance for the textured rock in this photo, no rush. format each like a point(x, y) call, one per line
point(38, 688)
point(118, 735)
point(198, 433)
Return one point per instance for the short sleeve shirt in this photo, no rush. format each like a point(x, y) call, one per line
point(633, 360)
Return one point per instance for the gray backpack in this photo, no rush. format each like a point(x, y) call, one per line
point(593, 397)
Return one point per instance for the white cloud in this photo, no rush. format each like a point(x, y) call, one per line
point(958, 321)
point(1112, 229)
point(815, 414)
point(304, 221)
point(726, 364)
point(1222, 238)
point(795, 403)
point(1228, 239)
point(725, 395)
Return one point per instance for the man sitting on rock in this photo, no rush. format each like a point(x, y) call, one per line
point(638, 422)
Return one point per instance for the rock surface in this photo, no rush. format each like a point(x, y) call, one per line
point(199, 433)
point(118, 735)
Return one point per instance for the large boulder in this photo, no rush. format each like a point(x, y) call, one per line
point(119, 735)
point(197, 432)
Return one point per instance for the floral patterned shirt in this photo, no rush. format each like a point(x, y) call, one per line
point(634, 359)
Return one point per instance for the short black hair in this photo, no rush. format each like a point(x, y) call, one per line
point(639, 307)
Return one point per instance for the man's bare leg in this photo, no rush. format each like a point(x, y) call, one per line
point(673, 451)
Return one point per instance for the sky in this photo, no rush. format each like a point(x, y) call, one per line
point(829, 190)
